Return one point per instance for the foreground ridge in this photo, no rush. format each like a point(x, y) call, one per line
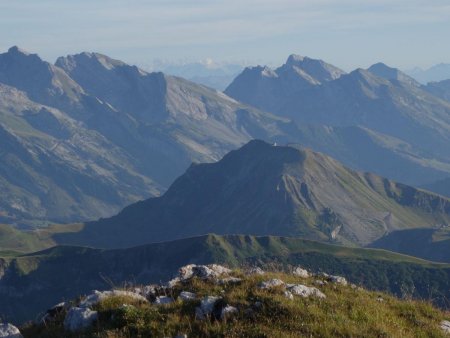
point(212, 300)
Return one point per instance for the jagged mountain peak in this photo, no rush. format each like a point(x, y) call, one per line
point(92, 59)
point(315, 68)
point(42, 81)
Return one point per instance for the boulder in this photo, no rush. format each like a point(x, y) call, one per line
point(186, 296)
point(305, 291)
point(9, 331)
point(272, 283)
point(79, 318)
point(298, 271)
point(97, 296)
point(228, 311)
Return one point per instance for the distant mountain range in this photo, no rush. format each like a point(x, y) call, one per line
point(435, 73)
point(89, 135)
point(410, 120)
point(208, 73)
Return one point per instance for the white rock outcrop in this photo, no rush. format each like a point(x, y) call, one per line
point(9, 331)
point(202, 271)
point(305, 291)
point(78, 319)
point(300, 272)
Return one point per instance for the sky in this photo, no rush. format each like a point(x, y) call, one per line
point(347, 33)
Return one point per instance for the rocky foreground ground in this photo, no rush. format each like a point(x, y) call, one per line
point(214, 301)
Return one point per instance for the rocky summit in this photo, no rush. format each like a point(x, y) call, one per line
point(200, 304)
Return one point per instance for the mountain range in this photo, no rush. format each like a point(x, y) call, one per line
point(410, 120)
point(89, 135)
point(439, 72)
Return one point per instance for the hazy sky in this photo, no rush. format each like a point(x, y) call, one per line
point(347, 33)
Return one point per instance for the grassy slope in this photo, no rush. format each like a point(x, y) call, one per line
point(346, 312)
point(13, 240)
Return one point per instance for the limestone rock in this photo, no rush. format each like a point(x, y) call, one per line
point(79, 318)
point(305, 291)
point(9, 331)
point(54, 311)
point(300, 272)
point(202, 271)
point(208, 303)
point(272, 283)
point(445, 326)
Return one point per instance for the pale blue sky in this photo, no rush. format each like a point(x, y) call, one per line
point(347, 33)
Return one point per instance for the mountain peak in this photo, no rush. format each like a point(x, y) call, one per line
point(17, 50)
point(89, 59)
point(315, 68)
point(389, 73)
point(294, 59)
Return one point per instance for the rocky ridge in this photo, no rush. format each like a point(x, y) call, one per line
point(204, 294)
